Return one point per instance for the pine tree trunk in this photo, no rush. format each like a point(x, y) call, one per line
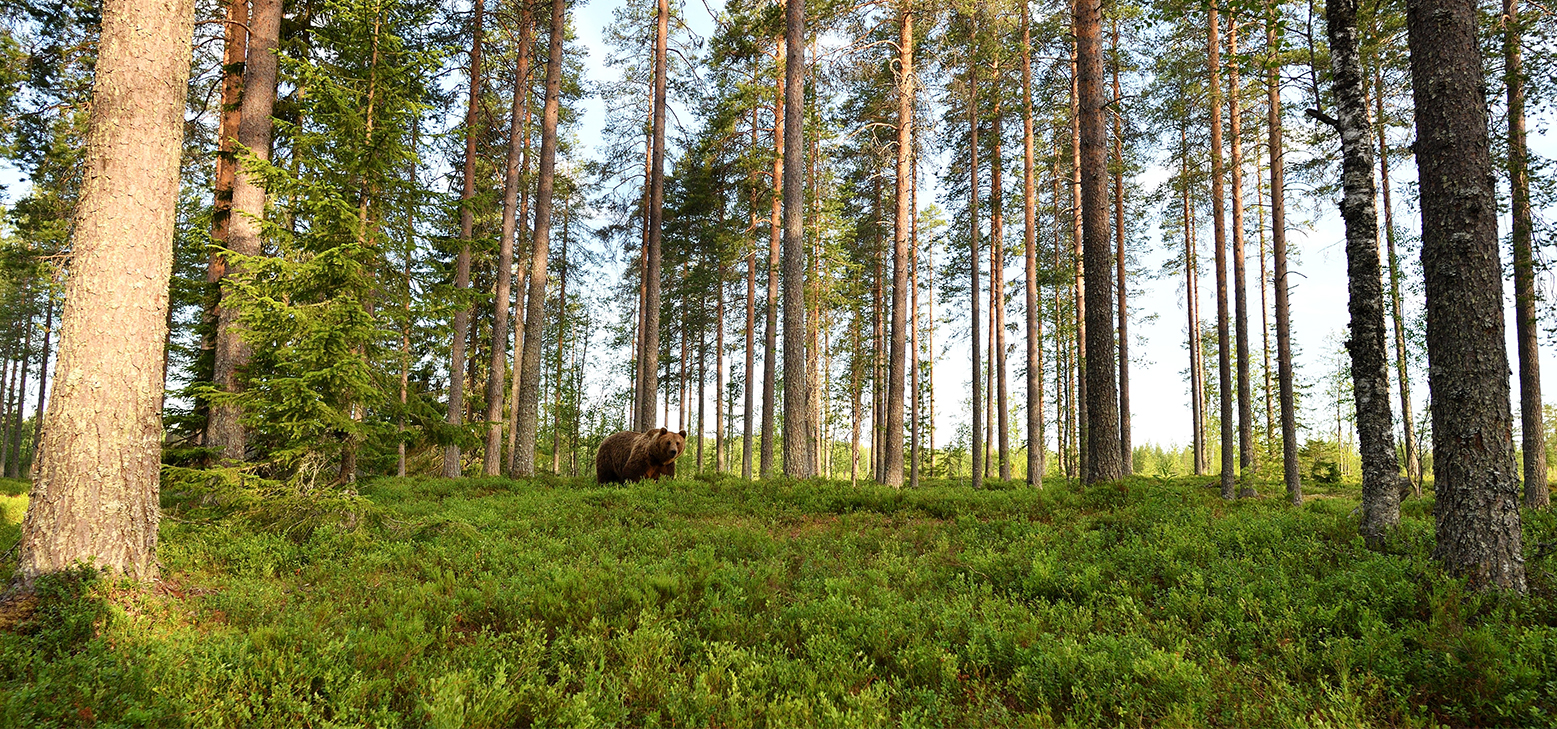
point(775, 228)
point(977, 451)
point(521, 226)
point(458, 366)
point(648, 355)
point(1370, 373)
point(1477, 509)
point(235, 38)
point(13, 443)
point(1035, 435)
point(225, 430)
point(1197, 389)
point(1080, 402)
point(997, 293)
point(799, 456)
point(562, 331)
point(751, 361)
point(1247, 466)
point(719, 464)
point(900, 252)
point(535, 317)
point(913, 328)
point(491, 464)
point(1397, 306)
point(94, 497)
point(1533, 431)
point(43, 379)
point(1219, 230)
point(1103, 455)
point(1278, 232)
point(1125, 450)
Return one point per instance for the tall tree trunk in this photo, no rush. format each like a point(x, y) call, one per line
point(43, 377)
point(225, 431)
point(1397, 306)
point(1370, 373)
point(650, 341)
point(1103, 458)
point(1035, 435)
point(775, 228)
point(458, 366)
point(14, 360)
point(799, 456)
point(491, 464)
point(1278, 233)
point(900, 253)
point(1477, 510)
point(521, 226)
point(719, 464)
point(1079, 399)
point(535, 317)
point(1246, 457)
point(1125, 450)
point(997, 290)
point(14, 441)
point(751, 360)
point(94, 497)
point(1197, 385)
point(1537, 493)
point(1219, 230)
point(913, 344)
point(562, 331)
point(235, 39)
point(973, 278)
point(1265, 371)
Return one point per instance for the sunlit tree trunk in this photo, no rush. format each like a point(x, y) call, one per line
point(492, 458)
point(1477, 507)
point(775, 228)
point(1369, 363)
point(534, 320)
point(977, 451)
point(1397, 307)
point(799, 456)
point(893, 466)
point(1532, 430)
point(1034, 316)
point(1120, 266)
point(1103, 457)
point(225, 431)
point(1278, 232)
point(1247, 464)
point(94, 494)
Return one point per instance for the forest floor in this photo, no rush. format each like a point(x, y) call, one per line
point(555, 602)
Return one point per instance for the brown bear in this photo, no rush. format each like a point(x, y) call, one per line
point(628, 456)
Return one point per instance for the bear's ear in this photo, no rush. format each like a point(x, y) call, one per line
point(683, 434)
point(664, 431)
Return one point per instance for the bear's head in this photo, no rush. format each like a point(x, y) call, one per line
point(667, 445)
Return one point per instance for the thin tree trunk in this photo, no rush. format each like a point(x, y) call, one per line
point(1247, 465)
point(1035, 434)
point(751, 359)
point(719, 464)
point(775, 228)
point(650, 342)
point(1197, 387)
point(1477, 509)
point(799, 456)
point(235, 38)
point(1370, 369)
point(452, 466)
point(521, 226)
point(1259, 224)
point(43, 378)
point(1224, 353)
point(14, 361)
point(562, 331)
point(900, 250)
point(977, 452)
point(95, 494)
point(1278, 231)
point(913, 329)
point(14, 442)
point(997, 293)
point(1079, 401)
point(1397, 308)
point(1125, 450)
point(1533, 431)
point(534, 320)
point(491, 464)
point(225, 430)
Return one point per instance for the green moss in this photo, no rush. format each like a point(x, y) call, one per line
point(487, 602)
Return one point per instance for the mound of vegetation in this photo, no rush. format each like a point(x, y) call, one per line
point(494, 603)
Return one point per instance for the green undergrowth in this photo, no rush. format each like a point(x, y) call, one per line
point(493, 603)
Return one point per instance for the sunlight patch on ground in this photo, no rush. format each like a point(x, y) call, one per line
point(12, 508)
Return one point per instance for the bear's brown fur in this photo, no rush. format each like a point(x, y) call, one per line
point(629, 456)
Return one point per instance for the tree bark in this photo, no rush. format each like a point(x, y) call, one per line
point(43, 378)
point(997, 289)
point(977, 452)
point(535, 317)
point(235, 38)
point(648, 356)
point(1219, 230)
point(1125, 450)
point(225, 430)
point(1079, 403)
point(95, 494)
point(893, 466)
point(1278, 234)
point(1370, 373)
point(1035, 435)
point(1397, 306)
point(1103, 459)
point(492, 461)
point(521, 225)
point(1197, 387)
point(775, 228)
point(1477, 509)
point(1247, 464)
point(799, 456)
point(452, 467)
point(1532, 430)
point(14, 441)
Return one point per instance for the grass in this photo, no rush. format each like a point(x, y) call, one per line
point(492, 603)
